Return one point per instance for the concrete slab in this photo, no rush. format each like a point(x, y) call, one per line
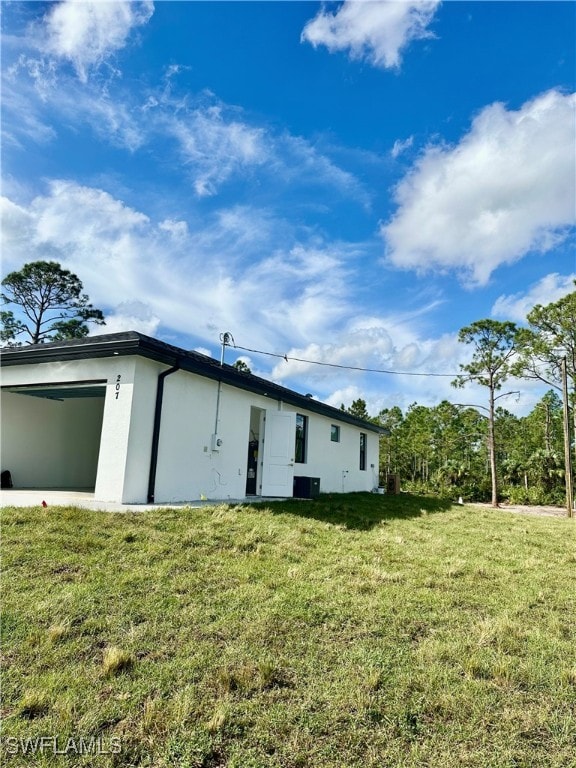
point(13, 497)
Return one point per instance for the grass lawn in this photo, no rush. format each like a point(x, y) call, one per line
point(350, 631)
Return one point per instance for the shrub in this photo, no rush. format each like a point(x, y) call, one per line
point(533, 495)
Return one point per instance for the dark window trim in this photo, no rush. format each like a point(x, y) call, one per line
point(363, 450)
point(301, 440)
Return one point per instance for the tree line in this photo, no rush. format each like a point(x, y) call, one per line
point(490, 454)
point(444, 449)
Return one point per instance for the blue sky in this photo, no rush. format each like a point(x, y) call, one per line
point(348, 183)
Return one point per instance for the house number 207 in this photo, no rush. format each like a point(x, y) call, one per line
point(118, 385)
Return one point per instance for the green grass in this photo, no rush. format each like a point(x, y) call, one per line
point(351, 631)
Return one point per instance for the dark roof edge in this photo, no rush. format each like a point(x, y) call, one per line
point(134, 343)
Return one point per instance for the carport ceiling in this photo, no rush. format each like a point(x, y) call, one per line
point(61, 391)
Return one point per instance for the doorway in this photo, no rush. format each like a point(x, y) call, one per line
point(51, 434)
point(271, 451)
point(252, 465)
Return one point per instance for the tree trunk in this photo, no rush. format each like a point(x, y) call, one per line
point(567, 455)
point(36, 334)
point(574, 431)
point(492, 447)
point(547, 430)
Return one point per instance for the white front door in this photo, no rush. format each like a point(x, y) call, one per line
point(278, 454)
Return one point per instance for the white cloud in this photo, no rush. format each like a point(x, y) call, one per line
point(216, 147)
point(425, 356)
point(318, 293)
point(36, 88)
point(87, 33)
point(177, 229)
point(372, 30)
point(383, 344)
point(113, 121)
point(506, 189)
point(549, 289)
point(90, 232)
point(297, 161)
point(199, 282)
point(412, 367)
point(401, 146)
point(75, 216)
point(41, 72)
point(345, 396)
point(215, 143)
point(148, 275)
point(34, 97)
point(15, 233)
point(131, 316)
point(22, 118)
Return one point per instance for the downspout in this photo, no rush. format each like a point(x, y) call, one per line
point(156, 431)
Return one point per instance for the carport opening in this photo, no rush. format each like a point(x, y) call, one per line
point(51, 434)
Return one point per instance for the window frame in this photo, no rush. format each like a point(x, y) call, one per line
point(334, 433)
point(301, 439)
point(363, 450)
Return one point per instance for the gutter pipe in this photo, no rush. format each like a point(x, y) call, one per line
point(156, 431)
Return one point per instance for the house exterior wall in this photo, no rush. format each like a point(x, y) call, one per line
point(338, 464)
point(188, 467)
point(113, 475)
point(138, 429)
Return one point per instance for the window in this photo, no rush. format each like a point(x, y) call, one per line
point(362, 450)
point(301, 434)
point(335, 433)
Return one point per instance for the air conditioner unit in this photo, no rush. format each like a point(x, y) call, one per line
point(306, 487)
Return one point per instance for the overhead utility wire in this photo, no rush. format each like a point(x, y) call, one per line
point(346, 367)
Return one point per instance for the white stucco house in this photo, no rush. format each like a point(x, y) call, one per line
point(136, 420)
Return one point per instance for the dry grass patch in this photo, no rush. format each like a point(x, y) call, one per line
point(116, 660)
